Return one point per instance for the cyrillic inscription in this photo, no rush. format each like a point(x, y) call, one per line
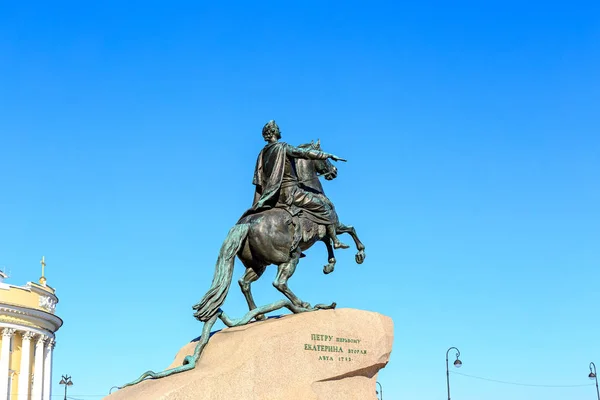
point(334, 345)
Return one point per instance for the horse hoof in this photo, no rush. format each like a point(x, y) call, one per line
point(360, 257)
point(328, 268)
point(260, 317)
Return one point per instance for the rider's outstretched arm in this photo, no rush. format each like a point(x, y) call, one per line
point(298, 152)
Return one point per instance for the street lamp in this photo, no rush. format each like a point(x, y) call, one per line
point(457, 364)
point(380, 391)
point(593, 376)
point(66, 380)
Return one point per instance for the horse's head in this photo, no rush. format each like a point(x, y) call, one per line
point(323, 167)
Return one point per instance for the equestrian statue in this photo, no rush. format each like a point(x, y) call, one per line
point(289, 214)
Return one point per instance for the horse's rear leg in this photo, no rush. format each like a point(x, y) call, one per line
point(250, 276)
point(349, 229)
point(285, 272)
point(330, 256)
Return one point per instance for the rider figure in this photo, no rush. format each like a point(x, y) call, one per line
point(277, 183)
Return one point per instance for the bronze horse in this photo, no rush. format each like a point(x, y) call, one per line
point(266, 238)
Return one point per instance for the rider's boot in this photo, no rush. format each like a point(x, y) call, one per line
point(333, 236)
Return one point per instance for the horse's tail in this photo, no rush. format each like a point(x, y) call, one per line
point(215, 297)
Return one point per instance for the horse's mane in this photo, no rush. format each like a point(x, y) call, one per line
point(311, 145)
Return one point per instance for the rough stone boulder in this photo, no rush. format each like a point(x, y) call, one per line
point(326, 354)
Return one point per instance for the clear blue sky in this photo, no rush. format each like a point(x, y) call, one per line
point(129, 132)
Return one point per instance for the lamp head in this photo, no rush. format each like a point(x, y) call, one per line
point(66, 380)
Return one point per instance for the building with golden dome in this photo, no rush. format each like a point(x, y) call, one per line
point(28, 326)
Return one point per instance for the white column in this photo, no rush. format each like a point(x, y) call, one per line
point(48, 370)
point(13, 374)
point(38, 369)
point(25, 369)
point(7, 334)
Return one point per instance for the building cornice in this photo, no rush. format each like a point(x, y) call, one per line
point(41, 319)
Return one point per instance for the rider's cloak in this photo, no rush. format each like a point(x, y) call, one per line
point(268, 174)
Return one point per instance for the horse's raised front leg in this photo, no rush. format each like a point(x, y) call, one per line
point(284, 273)
point(330, 256)
point(250, 276)
point(349, 229)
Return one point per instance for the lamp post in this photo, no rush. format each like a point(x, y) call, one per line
point(380, 391)
point(66, 380)
point(457, 364)
point(593, 376)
